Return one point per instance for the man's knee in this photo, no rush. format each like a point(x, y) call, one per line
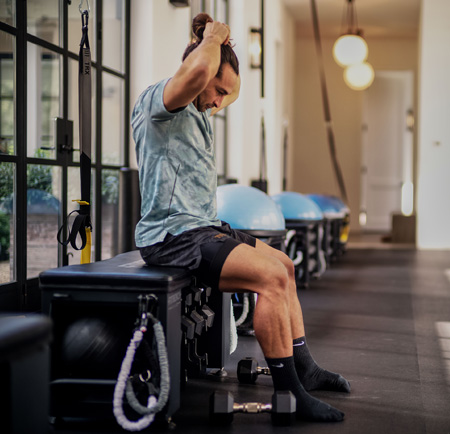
point(278, 254)
point(287, 263)
point(275, 281)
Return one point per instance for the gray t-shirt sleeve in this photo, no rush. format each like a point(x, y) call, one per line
point(150, 104)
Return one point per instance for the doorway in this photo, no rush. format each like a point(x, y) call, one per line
point(387, 150)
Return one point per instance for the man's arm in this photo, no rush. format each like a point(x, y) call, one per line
point(229, 99)
point(198, 69)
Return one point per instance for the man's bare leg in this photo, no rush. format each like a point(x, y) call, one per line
point(250, 269)
point(312, 376)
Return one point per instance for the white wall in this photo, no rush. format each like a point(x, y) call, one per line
point(244, 116)
point(433, 195)
point(159, 34)
point(244, 130)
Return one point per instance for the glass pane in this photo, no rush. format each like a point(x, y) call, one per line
point(7, 94)
point(73, 108)
point(7, 218)
point(43, 221)
point(8, 12)
point(43, 99)
point(110, 213)
point(113, 34)
point(112, 119)
point(73, 193)
point(75, 27)
point(43, 19)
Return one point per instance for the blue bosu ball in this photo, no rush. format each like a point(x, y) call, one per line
point(328, 206)
point(297, 206)
point(340, 205)
point(248, 208)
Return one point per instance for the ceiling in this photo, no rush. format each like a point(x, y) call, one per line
point(377, 18)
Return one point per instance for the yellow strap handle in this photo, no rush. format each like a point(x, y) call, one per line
point(86, 252)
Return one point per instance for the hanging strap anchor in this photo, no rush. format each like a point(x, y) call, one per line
point(82, 224)
point(144, 313)
point(80, 7)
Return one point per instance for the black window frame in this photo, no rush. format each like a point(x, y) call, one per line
point(22, 294)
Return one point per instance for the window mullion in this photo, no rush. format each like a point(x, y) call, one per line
point(21, 146)
point(98, 135)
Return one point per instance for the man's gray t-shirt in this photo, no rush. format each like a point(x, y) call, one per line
point(177, 168)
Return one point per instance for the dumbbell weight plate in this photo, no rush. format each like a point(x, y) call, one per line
point(221, 407)
point(247, 370)
point(284, 408)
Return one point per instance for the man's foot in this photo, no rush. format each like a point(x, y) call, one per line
point(312, 409)
point(311, 375)
point(284, 377)
point(321, 379)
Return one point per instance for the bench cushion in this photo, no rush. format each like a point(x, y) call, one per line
point(126, 269)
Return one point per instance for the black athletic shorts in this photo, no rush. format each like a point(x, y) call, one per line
point(202, 250)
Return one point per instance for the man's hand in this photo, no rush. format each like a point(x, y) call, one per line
point(198, 68)
point(217, 30)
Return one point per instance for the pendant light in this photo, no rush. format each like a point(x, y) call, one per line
point(359, 76)
point(351, 51)
point(351, 47)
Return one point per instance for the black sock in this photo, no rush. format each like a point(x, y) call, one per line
point(311, 375)
point(284, 377)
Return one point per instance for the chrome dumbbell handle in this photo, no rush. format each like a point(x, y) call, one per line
point(252, 407)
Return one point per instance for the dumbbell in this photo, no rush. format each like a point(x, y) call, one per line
point(248, 370)
point(282, 409)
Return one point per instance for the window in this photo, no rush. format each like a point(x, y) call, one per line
point(39, 172)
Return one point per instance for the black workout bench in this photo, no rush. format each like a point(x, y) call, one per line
point(196, 322)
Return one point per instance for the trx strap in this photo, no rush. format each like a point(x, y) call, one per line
point(326, 106)
point(82, 224)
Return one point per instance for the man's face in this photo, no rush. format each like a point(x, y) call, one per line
point(216, 90)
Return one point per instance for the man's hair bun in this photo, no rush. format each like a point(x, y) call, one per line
point(199, 23)
point(227, 55)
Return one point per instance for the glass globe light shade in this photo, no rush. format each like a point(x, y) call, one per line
point(350, 49)
point(359, 76)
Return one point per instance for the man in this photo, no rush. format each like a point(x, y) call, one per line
point(179, 224)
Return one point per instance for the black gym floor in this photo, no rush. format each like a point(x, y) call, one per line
point(381, 318)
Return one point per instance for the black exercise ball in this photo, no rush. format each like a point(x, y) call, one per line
point(94, 348)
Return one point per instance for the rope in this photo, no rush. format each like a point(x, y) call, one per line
point(245, 308)
point(233, 331)
point(165, 378)
point(322, 259)
point(124, 383)
point(326, 106)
